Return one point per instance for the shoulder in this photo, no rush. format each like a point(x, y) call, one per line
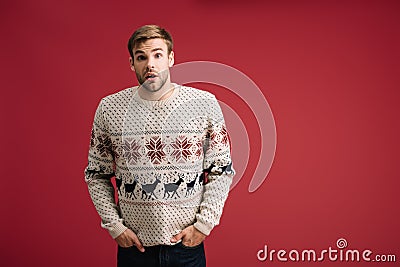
point(191, 93)
point(200, 101)
point(121, 95)
point(119, 98)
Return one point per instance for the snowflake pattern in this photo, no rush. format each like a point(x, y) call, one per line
point(223, 136)
point(181, 148)
point(155, 149)
point(117, 150)
point(104, 145)
point(131, 150)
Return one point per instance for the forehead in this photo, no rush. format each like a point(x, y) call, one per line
point(151, 44)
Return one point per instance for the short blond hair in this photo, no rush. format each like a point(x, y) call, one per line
point(149, 32)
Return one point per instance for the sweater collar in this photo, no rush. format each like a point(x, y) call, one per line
point(156, 103)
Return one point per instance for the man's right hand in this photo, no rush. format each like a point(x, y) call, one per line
point(129, 239)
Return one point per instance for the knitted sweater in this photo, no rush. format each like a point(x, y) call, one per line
point(160, 153)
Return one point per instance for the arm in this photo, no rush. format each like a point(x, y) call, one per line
point(98, 173)
point(217, 160)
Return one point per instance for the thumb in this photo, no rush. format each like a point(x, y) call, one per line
point(139, 246)
point(177, 237)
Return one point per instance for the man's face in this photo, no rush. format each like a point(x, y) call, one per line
point(151, 63)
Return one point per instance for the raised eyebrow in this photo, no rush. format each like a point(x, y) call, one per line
point(157, 49)
point(139, 52)
point(153, 50)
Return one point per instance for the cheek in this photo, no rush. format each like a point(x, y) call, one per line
point(165, 64)
point(138, 67)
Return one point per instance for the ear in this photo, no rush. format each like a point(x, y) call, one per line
point(131, 63)
point(171, 59)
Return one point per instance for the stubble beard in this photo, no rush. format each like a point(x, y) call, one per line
point(153, 87)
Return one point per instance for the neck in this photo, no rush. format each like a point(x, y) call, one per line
point(161, 94)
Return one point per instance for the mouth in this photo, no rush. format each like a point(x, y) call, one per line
point(150, 76)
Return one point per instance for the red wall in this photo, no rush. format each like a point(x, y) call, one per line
point(329, 70)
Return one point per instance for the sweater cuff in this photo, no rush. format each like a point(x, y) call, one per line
point(116, 229)
point(205, 229)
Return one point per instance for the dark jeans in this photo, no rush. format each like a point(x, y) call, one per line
point(162, 256)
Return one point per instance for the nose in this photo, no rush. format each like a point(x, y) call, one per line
point(150, 64)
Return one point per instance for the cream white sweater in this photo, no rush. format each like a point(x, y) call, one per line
point(159, 151)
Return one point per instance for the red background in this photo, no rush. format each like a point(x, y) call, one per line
point(329, 70)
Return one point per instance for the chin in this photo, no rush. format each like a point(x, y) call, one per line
point(153, 87)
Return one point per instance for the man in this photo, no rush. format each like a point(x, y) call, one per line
point(168, 148)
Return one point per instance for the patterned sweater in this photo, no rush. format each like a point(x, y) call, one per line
point(171, 160)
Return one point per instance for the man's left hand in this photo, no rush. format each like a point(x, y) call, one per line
point(190, 237)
